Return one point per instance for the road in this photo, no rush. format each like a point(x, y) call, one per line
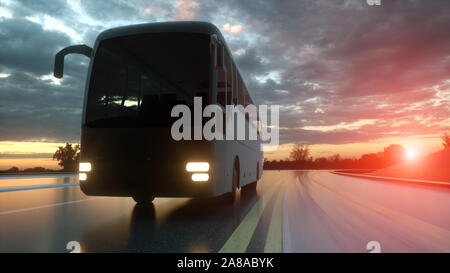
point(291, 211)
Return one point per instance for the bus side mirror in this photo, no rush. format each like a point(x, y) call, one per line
point(59, 57)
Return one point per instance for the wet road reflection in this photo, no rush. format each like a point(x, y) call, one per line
point(29, 180)
point(290, 211)
point(343, 214)
point(182, 225)
point(118, 224)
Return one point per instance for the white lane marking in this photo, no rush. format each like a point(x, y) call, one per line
point(48, 186)
point(49, 206)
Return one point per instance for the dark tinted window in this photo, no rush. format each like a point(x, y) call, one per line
point(229, 68)
point(221, 87)
point(136, 80)
point(241, 97)
point(248, 99)
point(235, 86)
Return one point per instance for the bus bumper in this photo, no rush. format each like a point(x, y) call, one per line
point(134, 178)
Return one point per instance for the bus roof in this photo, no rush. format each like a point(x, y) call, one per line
point(176, 26)
point(183, 26)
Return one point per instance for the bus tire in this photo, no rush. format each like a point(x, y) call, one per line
point(143, 199)
point(250, 187)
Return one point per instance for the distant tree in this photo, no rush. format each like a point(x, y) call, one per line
point(393, 154)
point(266, 162)
point(335, 158)
point(299, 152)
point(321, 163)
point(35, 170)
point(68, 157)
point(371, 161)
point(321, 160)
point(446, 139)
point(13, 170)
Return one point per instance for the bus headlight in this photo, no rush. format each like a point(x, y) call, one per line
point(197, 167)
point(85, 167)
point(82, 176)
point(200, 177)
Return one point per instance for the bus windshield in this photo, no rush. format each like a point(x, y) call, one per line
point(136, 80)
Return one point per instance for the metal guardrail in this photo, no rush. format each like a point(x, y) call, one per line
point(395, 179)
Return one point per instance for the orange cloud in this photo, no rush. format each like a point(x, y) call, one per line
point(232, 29)
point(341, 126)
point(185, 9)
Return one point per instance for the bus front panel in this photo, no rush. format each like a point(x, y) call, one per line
point(134, 84)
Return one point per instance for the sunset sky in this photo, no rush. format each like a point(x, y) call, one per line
point(350, 78)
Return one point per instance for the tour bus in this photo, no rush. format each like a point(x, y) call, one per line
point(136, 75)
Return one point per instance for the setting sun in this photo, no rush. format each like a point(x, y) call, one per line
point(410, 154)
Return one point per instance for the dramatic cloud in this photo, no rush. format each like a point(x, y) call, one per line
point(186, 9)
point(342, 71)
point(232, 29)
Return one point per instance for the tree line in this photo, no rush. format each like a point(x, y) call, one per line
point(300, 158)
point(68, 157)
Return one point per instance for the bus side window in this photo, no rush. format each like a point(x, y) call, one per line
point(245, 95)
point(221, 91)
point(235, 86)
point(241, 87)
point(258, 129)
point(230, 72)
point(248, 100)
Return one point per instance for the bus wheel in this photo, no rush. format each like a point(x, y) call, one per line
point(143, 199)
point(235, 178)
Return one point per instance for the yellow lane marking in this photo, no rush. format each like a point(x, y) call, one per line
point(240, 238)
point(274, 238)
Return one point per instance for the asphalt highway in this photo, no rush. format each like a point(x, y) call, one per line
point(290, 211)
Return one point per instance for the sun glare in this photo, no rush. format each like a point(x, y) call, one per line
point(410, 154)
